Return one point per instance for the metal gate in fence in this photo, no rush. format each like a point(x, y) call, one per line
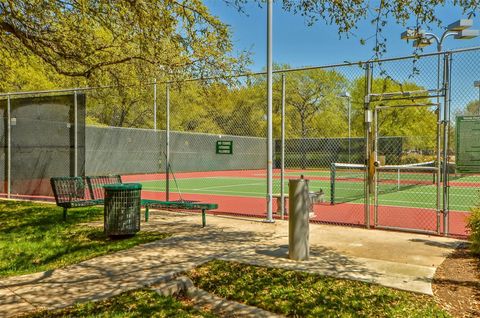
point(410, 196)
point(407, 196)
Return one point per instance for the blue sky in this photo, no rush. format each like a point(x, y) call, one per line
point(297, 44)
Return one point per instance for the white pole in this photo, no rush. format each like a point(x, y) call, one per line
point(9, 148)
point(349, 127)
point(269, 113)
point(75, 133)
point(439, 145)
point(154, 104)
point(398, 179)
point(167, 145)
point(368, 91)
point(282, 153)
point(478, 107)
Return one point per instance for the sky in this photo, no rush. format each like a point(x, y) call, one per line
point(297, 44)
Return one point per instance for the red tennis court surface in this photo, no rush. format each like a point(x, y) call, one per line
point(341, 214)
point(351, 214)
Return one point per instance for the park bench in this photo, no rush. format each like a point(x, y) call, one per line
point(96, 195)
point(72, 192)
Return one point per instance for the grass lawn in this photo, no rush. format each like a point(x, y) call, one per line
point(300, 294)
point(139, 303)
point(34, 237)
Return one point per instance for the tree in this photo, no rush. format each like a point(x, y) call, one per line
point(417, 125)
point(80, 37)
point(313, 95)
point(313, 106)
point(123, 44)
point(347, 14)
point(24, 73)
point(472, 108)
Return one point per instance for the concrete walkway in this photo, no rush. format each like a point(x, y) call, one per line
point(400, 260)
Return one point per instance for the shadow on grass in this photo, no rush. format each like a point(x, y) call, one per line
point(295, 293)
point(17, 216)
point(138, 303)
point(34, 237)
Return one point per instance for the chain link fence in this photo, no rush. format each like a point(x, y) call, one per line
point(205, 140)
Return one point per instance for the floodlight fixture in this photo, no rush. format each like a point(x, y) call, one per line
point(345, 94)
point(476, 84)
point(467, 34)
point(460, 25)
point(412, 34)
point(422, 42)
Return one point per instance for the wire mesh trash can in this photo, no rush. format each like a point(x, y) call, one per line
point(122, 208)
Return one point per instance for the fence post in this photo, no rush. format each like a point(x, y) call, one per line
point(282, 153)
point(167, 144)
point(269, 113)
point(446, 122)
point(9, 148)
point(154, 104)
point(439, 145)
point(368, 154)
point(75, 134)
point(374, 178)
point(332, 183)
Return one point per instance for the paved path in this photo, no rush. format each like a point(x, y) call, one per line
point(399, 260)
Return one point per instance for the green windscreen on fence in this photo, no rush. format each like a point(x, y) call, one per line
point(42, 141)
point(468, 144)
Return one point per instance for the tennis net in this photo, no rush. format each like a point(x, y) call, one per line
point(347, 181)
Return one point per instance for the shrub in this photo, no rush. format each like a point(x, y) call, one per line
point(474, 226)
point(409, 158)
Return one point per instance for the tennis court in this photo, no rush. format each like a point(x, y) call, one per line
point(218, 153)
point(242, 192)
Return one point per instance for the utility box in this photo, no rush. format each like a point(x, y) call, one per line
point(298, 225)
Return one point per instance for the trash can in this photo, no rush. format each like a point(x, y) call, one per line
point(298, 225)
point(122, 208)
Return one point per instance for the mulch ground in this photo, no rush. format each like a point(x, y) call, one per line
point(456, 284)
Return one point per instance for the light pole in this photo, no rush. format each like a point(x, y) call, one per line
point(460, 30)
point(477, 84)
point(348, 97)
point(269, 112)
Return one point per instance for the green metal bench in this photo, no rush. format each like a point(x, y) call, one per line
point(96, 184)
point(72, 192)
point(204, 207)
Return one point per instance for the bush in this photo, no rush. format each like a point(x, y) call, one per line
point(410, 158)
point(474, 226)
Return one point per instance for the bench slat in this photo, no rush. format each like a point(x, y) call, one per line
point(181, 205)
point(96, 183)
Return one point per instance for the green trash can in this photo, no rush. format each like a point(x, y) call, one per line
point(122, 208)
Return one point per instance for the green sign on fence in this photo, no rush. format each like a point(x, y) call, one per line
point(225, 147)
point(468, 144)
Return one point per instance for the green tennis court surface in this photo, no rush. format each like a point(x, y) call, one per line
point(419, 196)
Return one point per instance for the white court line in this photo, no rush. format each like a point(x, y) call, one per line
point(234, 193)
point(227, 186)
point(190, 178)
point(423, 204)
point(412, 207)
point(428, 193)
